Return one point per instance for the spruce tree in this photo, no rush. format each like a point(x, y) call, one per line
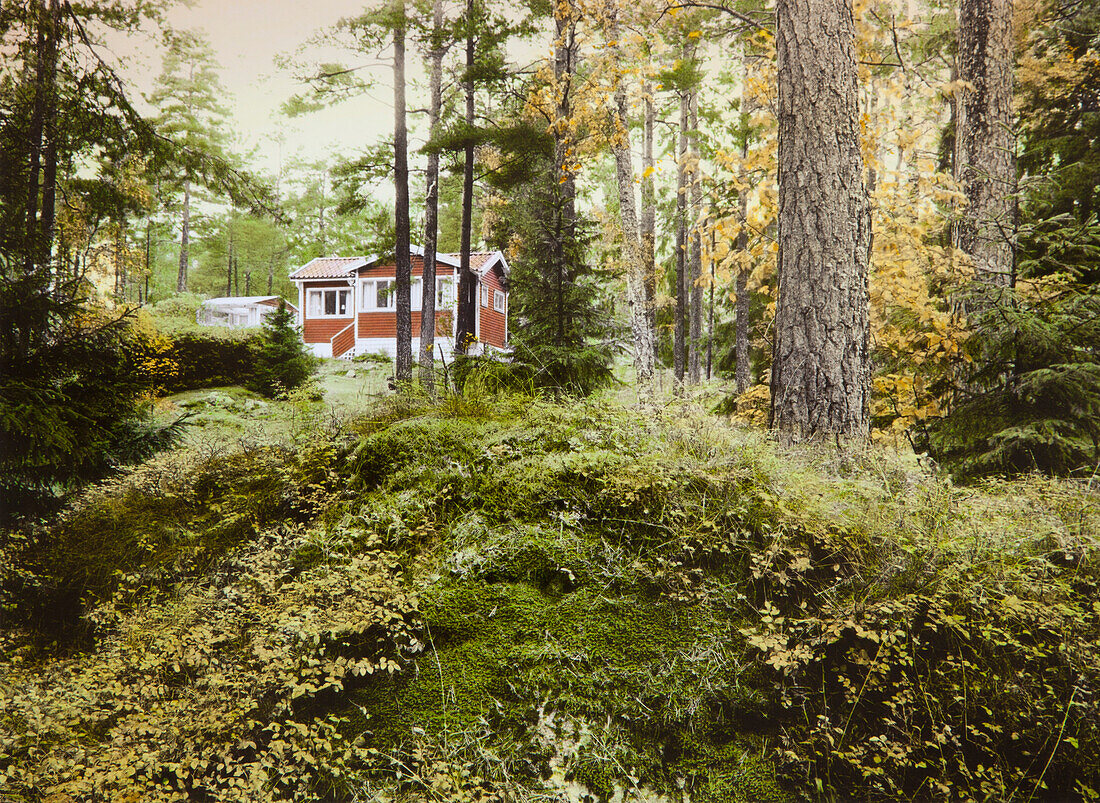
point(282, 362)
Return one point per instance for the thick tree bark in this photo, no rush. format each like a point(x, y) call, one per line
point(985, 164)
point(185, 234)
point(403, 361)
point(640, 329)
point(695, 255)
point(820, 369)
point(679, 329)
point(431, 209)
point(467, 283)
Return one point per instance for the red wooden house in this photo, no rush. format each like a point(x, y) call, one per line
point(349, 304)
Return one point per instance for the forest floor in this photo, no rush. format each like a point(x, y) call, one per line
point(359, 595)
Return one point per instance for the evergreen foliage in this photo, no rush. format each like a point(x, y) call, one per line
point(1031, 399)
point(1058, 100)
point(72, 399)
point(559, 324)
point(282, 362)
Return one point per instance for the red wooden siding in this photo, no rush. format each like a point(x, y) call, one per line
point(389, 269)
point(321, 330)
point(343, 341)
point(384, 324)
point(493, 323)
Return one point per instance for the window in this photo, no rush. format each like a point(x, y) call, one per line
point(328, 302)
point(444, 292)
point(498, 301)
point(379, 294)
point(484, 295)
point(385, 294)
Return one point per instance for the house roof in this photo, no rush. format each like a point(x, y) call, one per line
point(330, 267)
point(342, 267)
point(226, 301)
point(482, 261)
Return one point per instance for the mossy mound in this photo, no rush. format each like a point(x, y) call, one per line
point(479, 600)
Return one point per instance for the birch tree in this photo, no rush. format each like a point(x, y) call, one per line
point(642, 333)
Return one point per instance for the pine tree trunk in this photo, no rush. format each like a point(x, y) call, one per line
point(679, 329)
point(820, 369)
point(403, 362)
point(564, 224)
point(431, 209)
point(49, 170)
point(229, 264)
point(467, 284)
point(695, 262)
point(985, 164)
point(181, 277)
point(42, 135)
point(640, 329)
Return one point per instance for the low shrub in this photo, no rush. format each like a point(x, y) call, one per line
point(206, 360)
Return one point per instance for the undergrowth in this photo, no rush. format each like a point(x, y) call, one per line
point(509, 599)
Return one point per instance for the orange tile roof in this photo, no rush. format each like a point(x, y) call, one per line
point(329, 268)
point(342, 267)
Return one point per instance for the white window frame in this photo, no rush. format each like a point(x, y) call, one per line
point(370, 294)
point(316, 299)
point(444, 292)
point(500, 301)
point(484, 295)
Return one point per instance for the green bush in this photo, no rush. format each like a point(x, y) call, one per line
point(206, 360)
point(560, 371)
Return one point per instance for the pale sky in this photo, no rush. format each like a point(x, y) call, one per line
point(247, 35)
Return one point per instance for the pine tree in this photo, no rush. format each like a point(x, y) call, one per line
point(821, 364)
point(188, 96)
point(437, 47)
point(1033, 402)
point(984, 149)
